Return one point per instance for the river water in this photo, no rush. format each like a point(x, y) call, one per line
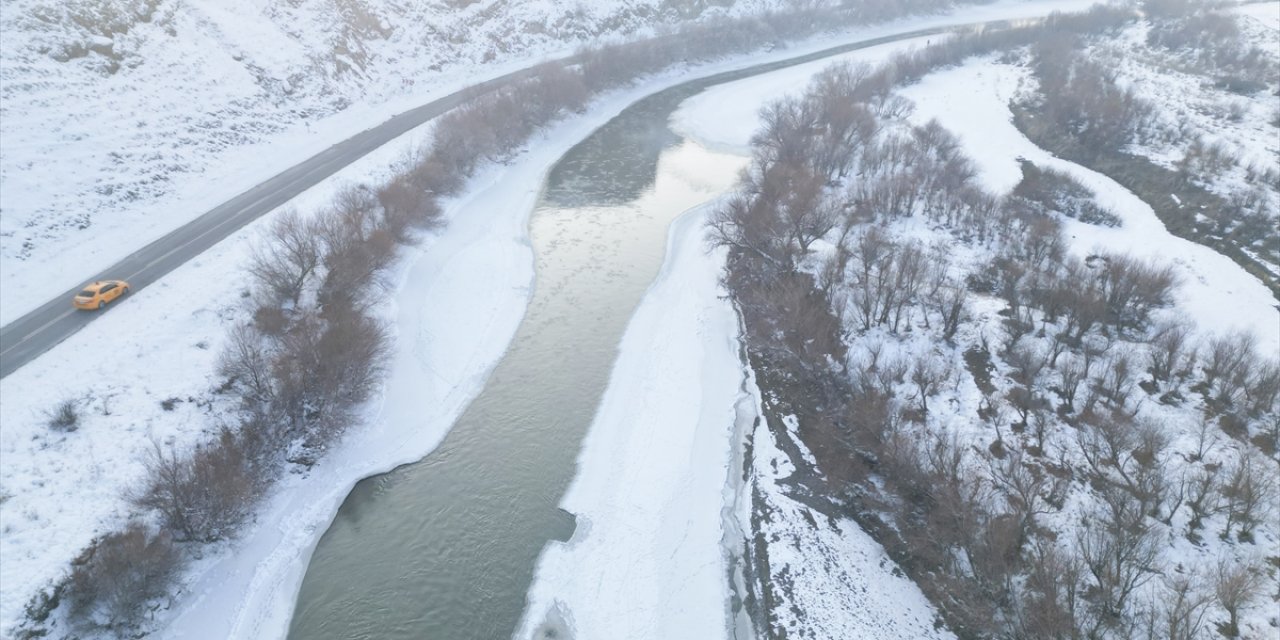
point(446, 547)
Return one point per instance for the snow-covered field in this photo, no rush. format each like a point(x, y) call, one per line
point(972, 101)
point(58, 490)
point(1222, 135)
point(1266, 14)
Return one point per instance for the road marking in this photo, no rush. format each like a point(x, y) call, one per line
point(38, 330)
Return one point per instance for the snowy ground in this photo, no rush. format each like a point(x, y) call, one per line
point(645, 560)
point(830, 578)
point(1265, 13)
point(56, 491)
point(1190, 104)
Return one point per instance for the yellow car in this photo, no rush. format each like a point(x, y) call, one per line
point(96, 295)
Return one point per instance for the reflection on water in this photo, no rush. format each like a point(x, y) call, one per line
point(618, 163)
point(446, 547)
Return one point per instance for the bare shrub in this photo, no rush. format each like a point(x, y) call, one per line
point(203, 495)
point(64, 416)
point(1171, 350)
point(324, 369)
point(1080, 96)
point(286, 257)
point(1250, 493)
point(1058, 191)
point(1228, 366)
point(1236, 585)
point(115, 579)
point(1134, 288)
point(407, 207)
point(246, 361)
point(1262, 390)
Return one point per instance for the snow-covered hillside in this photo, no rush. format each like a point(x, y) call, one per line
point(123, 119)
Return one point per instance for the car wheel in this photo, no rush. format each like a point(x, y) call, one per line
point(125, 292)
point(101, 304)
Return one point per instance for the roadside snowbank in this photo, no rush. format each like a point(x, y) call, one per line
point(159, 345)
point(125, 120)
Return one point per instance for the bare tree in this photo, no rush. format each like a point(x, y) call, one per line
point(1236, 585)
point(324, 369)
point(1120, 553)
point(283, 261)
point(1171, 350)
point(1027, 489)
point(1183, 606)
point(927, 375)
point(246, 360)
point(1117, 379)
point(1250, 493)
point(1204, 498)
point(1051, 603)
point(787, 133)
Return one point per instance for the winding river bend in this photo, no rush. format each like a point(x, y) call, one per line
point(446, 547)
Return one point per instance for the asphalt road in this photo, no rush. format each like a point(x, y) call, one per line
point(54, 321)
point(40, 330)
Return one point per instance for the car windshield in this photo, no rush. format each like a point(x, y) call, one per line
point(87, 293)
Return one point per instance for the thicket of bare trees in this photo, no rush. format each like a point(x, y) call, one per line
point(1080, 97)
point(1209, 38)
point(1077, 358)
